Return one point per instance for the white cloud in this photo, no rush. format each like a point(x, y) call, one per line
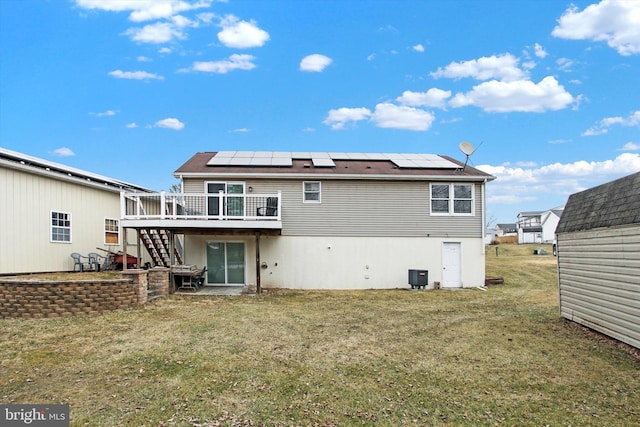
point(234, 62)
point(142, 58)
point(418, 48)
point(502, 67)
point(63, 152)
point(164, 50)
point(105, 113)
point(315, 62)
point(613, 21)
point(131, 125)
point(539, 51)
point(160, 32)
point(387, 115)
point(144, 10)
point(338, 118)
point(134, 75)
point(170, 123)
point(522, 184)
point(432, 98)
point(520, 95)
point(565, 64)
point(241, 34)
point(241, 130)
point(630, 146)
point(603, 125)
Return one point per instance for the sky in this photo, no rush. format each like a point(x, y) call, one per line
point(548, 92)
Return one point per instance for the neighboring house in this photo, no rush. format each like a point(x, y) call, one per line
point(323, 220)
point(506, 230)
point(538, 226)
point(599, 259)
point(48, 211)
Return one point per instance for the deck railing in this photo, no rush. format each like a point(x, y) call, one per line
point(220, 206)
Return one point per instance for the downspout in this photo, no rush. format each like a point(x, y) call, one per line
point(258, 287)
point(484, 226)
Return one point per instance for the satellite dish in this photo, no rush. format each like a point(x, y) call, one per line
point(467, 149)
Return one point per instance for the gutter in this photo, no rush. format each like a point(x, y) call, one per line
point(378, 177)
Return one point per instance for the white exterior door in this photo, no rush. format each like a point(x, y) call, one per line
point(451, 265)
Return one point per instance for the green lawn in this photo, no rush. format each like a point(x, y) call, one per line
point(398, 357)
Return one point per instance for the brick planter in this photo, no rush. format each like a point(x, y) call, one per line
point(22, 298)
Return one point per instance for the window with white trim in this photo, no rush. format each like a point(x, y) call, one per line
point(451, 199)
point(311, 191)
point(60, 227)
point(111, 231)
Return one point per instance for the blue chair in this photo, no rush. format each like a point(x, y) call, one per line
point(80, 261)
point(97, 261)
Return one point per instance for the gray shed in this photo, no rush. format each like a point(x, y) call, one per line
point(599, 259)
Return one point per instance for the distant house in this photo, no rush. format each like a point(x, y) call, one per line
point(313, 220)
point(506, 230)
point(538, 226)
point(48, 211)
point(599, 259)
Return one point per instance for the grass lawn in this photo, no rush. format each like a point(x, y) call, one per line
point(398, 357)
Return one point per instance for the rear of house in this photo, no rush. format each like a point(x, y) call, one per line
point(325, 220)
point(49, 210)
point(599, 259)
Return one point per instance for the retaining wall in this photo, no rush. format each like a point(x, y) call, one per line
point(22, 297)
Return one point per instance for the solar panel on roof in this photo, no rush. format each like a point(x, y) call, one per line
point(324, 159)
point(322, 162)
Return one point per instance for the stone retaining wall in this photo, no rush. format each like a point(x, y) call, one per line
point(28, 298)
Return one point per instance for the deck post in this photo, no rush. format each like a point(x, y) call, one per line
point(124, 249)
point(258, 288)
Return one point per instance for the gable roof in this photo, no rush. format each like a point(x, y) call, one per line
point(608, 205)
point(329, 166)
point(30, 164)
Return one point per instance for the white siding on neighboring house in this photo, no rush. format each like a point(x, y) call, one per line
point(30, 191)
point(599, 277)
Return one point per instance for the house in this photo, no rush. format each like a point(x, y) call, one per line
point(538, 226)
point(314, 220)
point(49, 210)
point(599, 259)
point(506, 230)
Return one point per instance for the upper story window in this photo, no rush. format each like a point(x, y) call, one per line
point(60, 227)
point(451, 199)
point(111, 231)
point(311, 191)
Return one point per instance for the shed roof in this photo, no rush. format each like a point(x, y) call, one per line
point(612, 204)
point(341, 166)
point(16, 160)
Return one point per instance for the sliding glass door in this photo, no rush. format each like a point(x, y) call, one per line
point(225, 263)
point(234, 206)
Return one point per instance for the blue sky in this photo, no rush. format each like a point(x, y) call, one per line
point(547, 91)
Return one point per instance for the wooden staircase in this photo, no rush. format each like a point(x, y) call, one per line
point(157, 244)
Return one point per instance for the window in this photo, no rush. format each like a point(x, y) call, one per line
point(451, 199)
point(111, 231)
point(311, 192)
point(60, 227)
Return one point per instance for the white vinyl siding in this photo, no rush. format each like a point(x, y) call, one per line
point(29, 199)
point(599, 280)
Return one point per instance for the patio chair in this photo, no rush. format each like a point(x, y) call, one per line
point(97, 261)
point(271, 209)
point(80, 261)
